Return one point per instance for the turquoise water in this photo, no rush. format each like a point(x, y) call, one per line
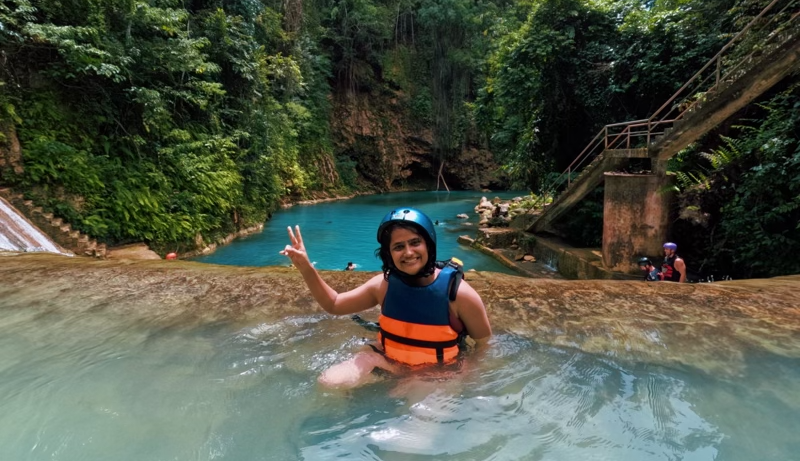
point(345, 230)
point(91, 386)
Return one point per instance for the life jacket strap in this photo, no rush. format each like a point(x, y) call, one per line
point(456, 277)
point(438, 346)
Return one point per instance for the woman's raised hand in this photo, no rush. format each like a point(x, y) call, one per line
point(297, 250)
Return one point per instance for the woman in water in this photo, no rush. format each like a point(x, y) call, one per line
point(426, 311)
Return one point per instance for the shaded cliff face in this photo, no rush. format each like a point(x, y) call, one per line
point(707, 326)
point(10, 153)
point(393, 153)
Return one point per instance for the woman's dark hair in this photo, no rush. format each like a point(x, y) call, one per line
point(385, 253)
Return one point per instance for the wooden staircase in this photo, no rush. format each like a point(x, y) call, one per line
point(589, 178)
point(685, 117)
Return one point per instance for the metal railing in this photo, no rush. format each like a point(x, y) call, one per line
point(698, 89)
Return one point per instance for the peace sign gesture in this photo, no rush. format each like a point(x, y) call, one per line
point(297, 250)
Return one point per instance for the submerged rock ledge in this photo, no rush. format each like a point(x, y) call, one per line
point(707, 326)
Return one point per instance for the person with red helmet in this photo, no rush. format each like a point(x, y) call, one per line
point(673, 269)
point(426, 309)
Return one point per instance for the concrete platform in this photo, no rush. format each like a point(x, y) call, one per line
point(555, 258)
point(575, 263)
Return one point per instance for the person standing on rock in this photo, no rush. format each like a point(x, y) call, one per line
point(427, 311)
point(673, 269)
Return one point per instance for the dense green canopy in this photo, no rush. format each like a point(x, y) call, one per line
point(162, 120)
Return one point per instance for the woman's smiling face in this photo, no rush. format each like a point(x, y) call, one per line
point(409, 250)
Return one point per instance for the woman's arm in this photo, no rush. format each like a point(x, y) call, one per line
point(356, 300)
point(470, 309)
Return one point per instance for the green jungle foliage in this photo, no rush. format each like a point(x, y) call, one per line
point(566, 68)
point(742, 198)
point(162, 121)
point(583, 225)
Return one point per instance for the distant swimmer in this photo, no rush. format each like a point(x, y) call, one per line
point(350, 266)
point(427, 310)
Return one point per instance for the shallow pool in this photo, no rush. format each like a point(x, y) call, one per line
point(343, 231)
point(97, 386)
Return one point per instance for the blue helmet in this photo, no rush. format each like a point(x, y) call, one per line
point(420, 222)
point(670, 246)
point(411, 215)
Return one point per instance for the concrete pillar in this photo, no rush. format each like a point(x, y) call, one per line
point(636, 217)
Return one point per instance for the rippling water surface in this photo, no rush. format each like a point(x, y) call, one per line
point(96, 387)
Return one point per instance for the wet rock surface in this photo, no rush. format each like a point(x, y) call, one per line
point(707, 326)
point(132, 251)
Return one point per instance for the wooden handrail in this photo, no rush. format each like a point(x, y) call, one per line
point(716, 59)
point(627, 123)
point(610, 138)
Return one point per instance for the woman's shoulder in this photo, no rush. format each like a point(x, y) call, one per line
point(464, 286)
point(377, 285)
point(377, 281)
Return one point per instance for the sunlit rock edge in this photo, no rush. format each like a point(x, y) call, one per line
point(705, 326)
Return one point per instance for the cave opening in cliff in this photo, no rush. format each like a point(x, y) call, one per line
point(417, 175)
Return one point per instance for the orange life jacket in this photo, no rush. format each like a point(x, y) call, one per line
point(415, 321)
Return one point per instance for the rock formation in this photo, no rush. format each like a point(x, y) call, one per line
point(391, 153)
point(706, 326)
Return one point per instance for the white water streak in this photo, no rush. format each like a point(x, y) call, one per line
point(17, 234)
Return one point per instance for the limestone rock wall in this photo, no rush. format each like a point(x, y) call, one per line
point(391, 153)
point(707, 326)
point(10, 151)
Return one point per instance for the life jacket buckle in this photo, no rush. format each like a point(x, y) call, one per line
point(456, 277)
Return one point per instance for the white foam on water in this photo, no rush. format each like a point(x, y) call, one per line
point(17, 234)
